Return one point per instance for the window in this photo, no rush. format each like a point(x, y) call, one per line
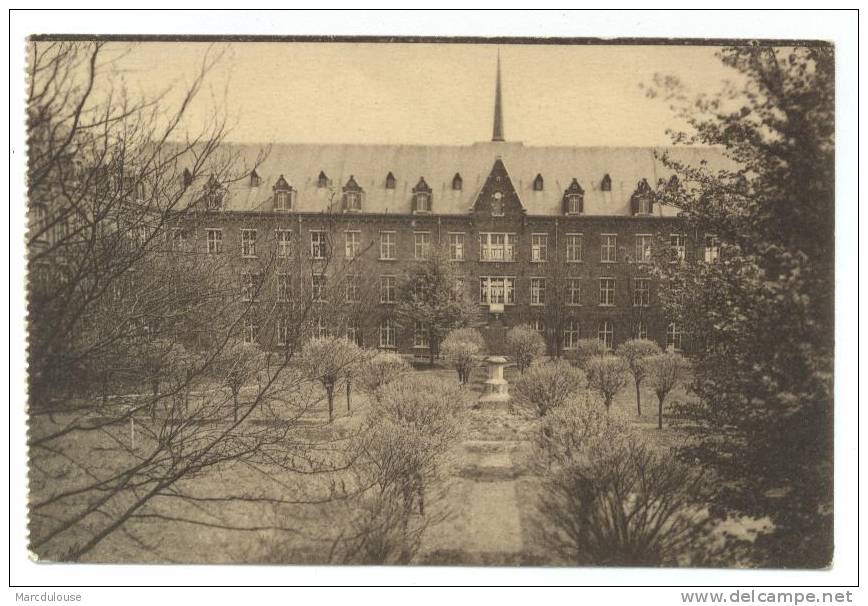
point(606, 333)
point(420, 336)
point(352, 197)
point(678, 242)
point(538, 183)
point(641, 292)
point(352, 289)
point(712, 248)
point(251, 328)
point(318, 245)
point(388, 338)
point(422, 202)
point(574, 248)
point(282, 331)
point(322, 180)
point(352, 241)
point(457, 182)
point(255, 179)
point(496, 289)
point(537, 291)
point(318, 287)
point(387, 289)
point(643, 248)
point(390, 181)
point(61, 231)
point(497, 247)
point(284, 243)
point(140, 192)
point(387, 245)
point(606, 183)
point(607, 292)
point(40, 222)
point(177, 239)
point(673, 337)
point(250, 286)
point(283, 200)
point(321, 330)
point(248, 242)
point(456, 247)
point(422, 244)
point(571, 334)
point(214, 197)
point(497, 204)
point(215, 241)
point(641, 330)
point(283, 291)
point(539, 325)
point(354, 333)
point(574, 291)
point(608, 248)
point(575, 204)
point(539, 248)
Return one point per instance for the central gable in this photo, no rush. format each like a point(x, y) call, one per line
point(498, 196)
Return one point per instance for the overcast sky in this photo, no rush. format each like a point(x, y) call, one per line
point(429, 93)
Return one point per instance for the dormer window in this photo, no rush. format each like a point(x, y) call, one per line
point(538, 183)
point(421, 197)
point(574, 199)
point(606, 183)
point(642, 200)
point(213, 194)
point(353, 194)
point(457, 182)
point(390, 181)
point(283, 194)
point(255, 179)
point(186, 178)
point(497, 204)
point(322, 180)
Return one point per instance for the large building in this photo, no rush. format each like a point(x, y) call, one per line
point(558, 237)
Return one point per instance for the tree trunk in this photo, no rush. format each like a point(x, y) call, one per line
point(660, 411)
point(235, 406)
point(608, 403)
point(349, 388)
point(330, 394)
point(638, 400)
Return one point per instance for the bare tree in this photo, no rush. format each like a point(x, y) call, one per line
point(665, 372)
point(607, 375)
point(635, 354)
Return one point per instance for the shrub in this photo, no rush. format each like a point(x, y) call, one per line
point(548, 385)
point(330, 360)
point(622, 504)
point(607, 376)
point(379, 370)
point(524, 345)
point(586, 350)
point(635, 352)
point(462, 347)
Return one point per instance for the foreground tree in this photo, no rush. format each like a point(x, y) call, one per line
point(635, 353)
point(548, 386)
point(433, 295)
point(607, 375)
point(762, 315)
point(524, 345)
point(380, 369)
point(462, 347)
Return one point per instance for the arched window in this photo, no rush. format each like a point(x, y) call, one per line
point(606, 183)
point(574, 199)
point(213, 194)
point(322, 180)
point(673, 337)
point(255, 179)
point(642, 200)
point(538, 183)
point(353, 195)
point(421, 197)
point(457, 182)
point(606, 334)
point(140, 191)
point(390, 181)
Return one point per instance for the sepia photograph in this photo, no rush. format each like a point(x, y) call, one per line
point(401, 301)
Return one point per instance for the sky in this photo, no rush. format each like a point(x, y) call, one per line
point(288, 92)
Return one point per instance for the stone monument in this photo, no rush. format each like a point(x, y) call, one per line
point(496, 387)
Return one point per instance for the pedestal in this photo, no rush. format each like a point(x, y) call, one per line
point(496, 387)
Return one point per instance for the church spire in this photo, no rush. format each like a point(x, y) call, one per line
point(497, 133)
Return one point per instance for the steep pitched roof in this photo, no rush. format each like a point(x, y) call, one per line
point(301, 164)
